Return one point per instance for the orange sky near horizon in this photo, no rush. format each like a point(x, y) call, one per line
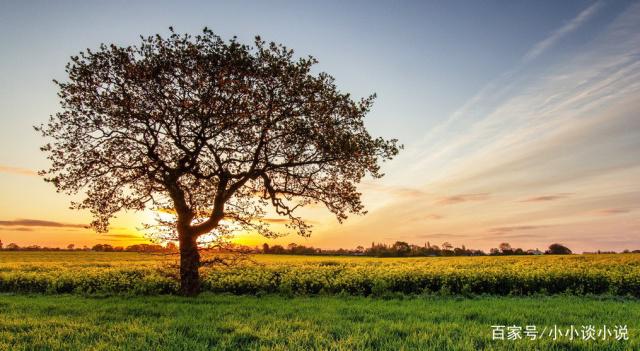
point(408, 214)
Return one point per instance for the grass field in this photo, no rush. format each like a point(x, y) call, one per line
point(132, 273)
point(274, 322)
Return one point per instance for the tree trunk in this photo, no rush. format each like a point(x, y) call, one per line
point(189, 265)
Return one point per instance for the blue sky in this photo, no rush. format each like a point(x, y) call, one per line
point(496, 103)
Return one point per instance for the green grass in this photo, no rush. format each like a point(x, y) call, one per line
point(273, 322)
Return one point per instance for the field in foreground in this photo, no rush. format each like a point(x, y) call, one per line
point(274, 322)
point(132, 273)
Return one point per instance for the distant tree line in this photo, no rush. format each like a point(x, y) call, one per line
point(404, 249)
point(170, 247)
point(397, 249)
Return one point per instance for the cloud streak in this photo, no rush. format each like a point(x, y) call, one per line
point(17, 170)
point(546, 198)
point(19, 229)
point(518, 228)
point(612, 211)
point(571, 26)
point(456, 199)
point(40, 223)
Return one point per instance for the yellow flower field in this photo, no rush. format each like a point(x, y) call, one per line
point(134, 273)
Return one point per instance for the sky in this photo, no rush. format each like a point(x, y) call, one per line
point(520, 120)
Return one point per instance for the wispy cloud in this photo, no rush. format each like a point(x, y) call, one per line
point(40, 223)
point(547, 197)
point(611, 211)
point(18, 229)
point(17, 170)
point(563, 31)
point(518, 228)
point(455, 199)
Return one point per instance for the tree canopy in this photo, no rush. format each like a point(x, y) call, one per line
point(558, 249)
point(213, 131)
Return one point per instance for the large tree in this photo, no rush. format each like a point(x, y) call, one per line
point(215, 131)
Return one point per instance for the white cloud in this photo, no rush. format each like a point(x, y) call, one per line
point(563, 31)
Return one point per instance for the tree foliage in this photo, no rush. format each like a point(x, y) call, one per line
point(558, 249)
point(211, 128)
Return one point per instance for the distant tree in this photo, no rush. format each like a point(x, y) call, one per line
point(505, 248)
point(0, 244)
point(558, 249)
point(401, 248)
point(12, 247)
point(212, 130)
point(460, 251)
point(71, 246)
point(447, 249)
point(102, 247)
point(277, 249)
point(265, 248)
